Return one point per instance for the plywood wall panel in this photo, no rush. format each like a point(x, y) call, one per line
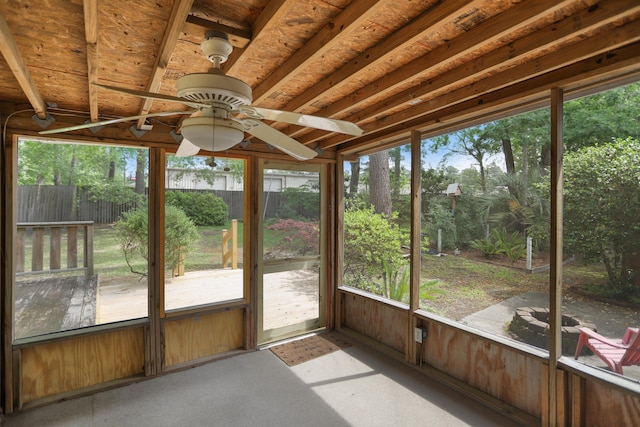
point(202, 336)
point(63, 366)
point(498, 371)
point(380, 321)
point(605, 405)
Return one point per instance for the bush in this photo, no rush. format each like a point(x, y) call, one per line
point(299, 203)
point(204, 209)
point(370, 241)
point(298, 237)
point(132, 234)
point(501, 242)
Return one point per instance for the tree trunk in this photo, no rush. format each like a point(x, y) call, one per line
point(397, 169)
point(140, 164)
point(355, 176)
point(483, 180)
point(72, 169)
point(379, 183)
point(507, 149)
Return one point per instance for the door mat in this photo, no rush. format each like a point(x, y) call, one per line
point(296, 352)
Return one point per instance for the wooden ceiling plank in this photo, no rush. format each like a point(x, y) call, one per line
point(350, 18)
point(18, 67)
point(509, 21)
point(179, 13)
point(589, 51)
point(537, 42)
point(90, 9)
point(405, 36)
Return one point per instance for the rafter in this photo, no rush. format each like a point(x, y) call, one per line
point(487, 32)
point(592, 52)
point(350, 18)
point(406, 36)
point(509, 98)
point(177, 19)
point(16, 63)
point(490, 62)
point(267, 20)
point(90, 8)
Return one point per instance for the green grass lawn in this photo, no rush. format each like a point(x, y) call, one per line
point(469, 286)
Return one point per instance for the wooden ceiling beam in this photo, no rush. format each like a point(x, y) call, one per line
point(432, 19)
point(90, 8)
point(16, 63)
point(238, 38)
point(486, 32)
point(499, 58)
point(603, 66)
point(513, 85)
point(268, 19)
point(349, 19)
point(179, 13)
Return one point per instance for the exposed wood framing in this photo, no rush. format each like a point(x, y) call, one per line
point(416, 237)
point(16, 63)
point(237, 38)
point(91, 37)
point(179, 14)
point(267, 20)
point(555, 285)
point(352, 17)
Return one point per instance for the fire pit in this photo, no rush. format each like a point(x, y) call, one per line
point(531, 325)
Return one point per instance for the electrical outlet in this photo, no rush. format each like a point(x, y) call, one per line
point(417, 333)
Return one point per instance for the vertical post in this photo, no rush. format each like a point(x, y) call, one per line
point(529, 252)
point(37, 254)
point(72, 246)
point(19, 261)
point(555, 289)
point(234, 244)
point(439, 240)
point(88, 249)
point(412, 355)
point(54, 247)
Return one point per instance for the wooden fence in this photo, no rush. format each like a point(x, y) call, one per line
point(61, 203)
point(57, 233)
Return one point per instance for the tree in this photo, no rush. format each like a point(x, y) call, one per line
point(602, 207)
point(132, 234)
point(470, 142)
point(379, 183)
point(618, 114)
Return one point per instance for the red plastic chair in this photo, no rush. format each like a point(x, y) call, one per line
point(615, 352)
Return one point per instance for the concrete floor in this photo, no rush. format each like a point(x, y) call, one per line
point(355, 386)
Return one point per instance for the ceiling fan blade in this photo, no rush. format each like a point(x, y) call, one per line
point(187, 148)
point(112, 121)
point(156, 96)
point(280, 141)
point(331, 125)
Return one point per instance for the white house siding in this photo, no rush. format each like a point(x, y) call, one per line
point(273, 182)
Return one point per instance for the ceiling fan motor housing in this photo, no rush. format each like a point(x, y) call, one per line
point(216, 89)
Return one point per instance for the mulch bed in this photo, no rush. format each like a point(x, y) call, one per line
point(300, 351)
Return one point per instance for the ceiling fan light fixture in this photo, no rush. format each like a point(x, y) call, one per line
point(220, 136)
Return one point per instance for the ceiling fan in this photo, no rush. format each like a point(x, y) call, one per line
point(224, 111)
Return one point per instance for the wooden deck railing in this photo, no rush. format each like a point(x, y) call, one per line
point(37, 231)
